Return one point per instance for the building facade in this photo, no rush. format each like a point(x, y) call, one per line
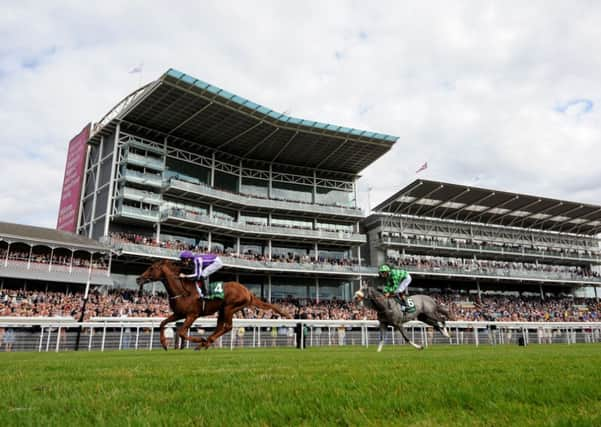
point(181, 164)
point(37, 258)
point(462, 237)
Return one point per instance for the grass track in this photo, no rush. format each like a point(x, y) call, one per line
point(443, 385)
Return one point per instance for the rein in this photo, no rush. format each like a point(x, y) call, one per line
point(185, 292)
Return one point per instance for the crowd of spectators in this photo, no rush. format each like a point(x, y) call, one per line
point(120, 303)
point(116, 303)
point(139, 239)
point(47, 257)
point(250, 255)
point(505, 268)
point(558, 249)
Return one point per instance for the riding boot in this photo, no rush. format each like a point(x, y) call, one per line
point(402, 302)
point(201, 287)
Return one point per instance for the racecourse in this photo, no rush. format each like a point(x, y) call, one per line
point(442, 385)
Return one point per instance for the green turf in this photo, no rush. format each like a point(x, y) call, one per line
point(443, 385)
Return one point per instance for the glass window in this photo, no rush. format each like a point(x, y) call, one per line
point(292, 192)
point(255, 187)
point(330, 196)
point(187, 171)
point(292, 223)
point(225, 181)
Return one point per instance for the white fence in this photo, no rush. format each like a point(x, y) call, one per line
point(100, 334)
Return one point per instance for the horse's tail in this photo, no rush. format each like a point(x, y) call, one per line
point(445, 312)
point(256, 302)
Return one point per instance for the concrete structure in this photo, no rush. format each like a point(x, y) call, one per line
point(456, 236)
point(181, 163)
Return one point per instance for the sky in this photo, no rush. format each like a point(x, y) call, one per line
point(502, 95)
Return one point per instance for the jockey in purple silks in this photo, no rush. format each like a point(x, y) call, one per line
point(204, 266)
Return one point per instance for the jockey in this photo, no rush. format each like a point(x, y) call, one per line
point(396, 281)
point(202, 265)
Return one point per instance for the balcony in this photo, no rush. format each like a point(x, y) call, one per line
point(474, 249)
point(505, 274)
point(140, 196)
point(249, 265)
point(260, 230)
point(154, 180)
point(355, 270)
point(138, 213)
point(129, 140)
point(147, 162)
point(176, 187)
point(54, 272)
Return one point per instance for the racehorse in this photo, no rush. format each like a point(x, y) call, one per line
point(390, 314)
point(185, 303)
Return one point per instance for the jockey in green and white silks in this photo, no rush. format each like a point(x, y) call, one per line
point(396, 282)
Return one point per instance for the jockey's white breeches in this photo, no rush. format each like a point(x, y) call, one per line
point(404, 284)
point(212, 268)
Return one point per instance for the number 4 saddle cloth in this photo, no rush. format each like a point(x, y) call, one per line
point(214, 290)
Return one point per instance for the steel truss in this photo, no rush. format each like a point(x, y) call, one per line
point(233, 169)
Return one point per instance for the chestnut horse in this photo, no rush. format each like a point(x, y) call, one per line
point(185, 303)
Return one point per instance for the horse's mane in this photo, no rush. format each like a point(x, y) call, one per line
point(374, 296)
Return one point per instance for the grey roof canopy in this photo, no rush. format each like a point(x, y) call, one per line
point(464, 203)
point(185, 108)
point(48, 236)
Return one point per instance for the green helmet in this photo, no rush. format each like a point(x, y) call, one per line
point(384, 268)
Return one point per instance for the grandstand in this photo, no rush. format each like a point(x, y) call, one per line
point(182, 164)
point(469, 238)
point(39, 258)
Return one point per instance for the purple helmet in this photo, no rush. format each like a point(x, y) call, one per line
point(186, 255)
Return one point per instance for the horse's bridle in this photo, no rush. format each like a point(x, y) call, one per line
point(181, 295)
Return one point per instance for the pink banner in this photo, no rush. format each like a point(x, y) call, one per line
point(72, 182)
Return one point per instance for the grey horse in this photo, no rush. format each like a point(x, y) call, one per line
point(389, 313)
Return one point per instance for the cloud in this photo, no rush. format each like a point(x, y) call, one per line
point(472, 88)
point(575, 107)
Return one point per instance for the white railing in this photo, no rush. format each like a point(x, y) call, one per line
point(244, 200)
point(267, 230)
point(100, 334)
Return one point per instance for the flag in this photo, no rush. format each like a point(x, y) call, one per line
point(137, 69)
point(422, 167)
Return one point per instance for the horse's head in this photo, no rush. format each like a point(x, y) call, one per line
point(366, 295)
point(157, 271)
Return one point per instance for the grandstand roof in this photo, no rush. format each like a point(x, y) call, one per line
point(48, 236)
point(191, 111)
point(464, 203)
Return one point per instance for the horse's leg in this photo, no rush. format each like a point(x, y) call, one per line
point(403, 332)
point(174, 317)
point(436, 323)
point(382, 336)
point(224, 324)
point(185, 327)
